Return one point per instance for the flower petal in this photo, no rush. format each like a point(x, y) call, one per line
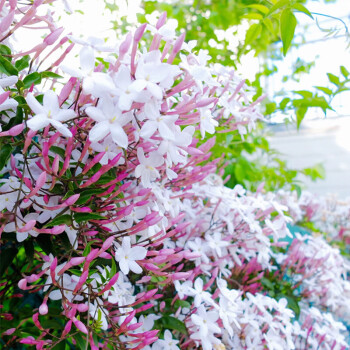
point(50, 101)
point(34, 104)
point(137, 253)
point(38, 122)
point(119, 136)
point(99, 131)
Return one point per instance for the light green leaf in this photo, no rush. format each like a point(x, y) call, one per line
point(344, 71)
point(301, 8)
point(279, 5)
point(263, 9)
point(253, 33)
point(288, 23)
point(301, 111)
point(333, 79)
point(327, 91)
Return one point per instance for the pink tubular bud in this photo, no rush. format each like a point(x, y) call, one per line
point(52, 270)
point(43, 309)
point(67, 328)
point(77, 260)
point(125, 45)
point(134, 326)
point(40, 182)
point(139, 32)
point(36, 321)
point(9, 331)
point(80, 325)
point(58, 229)
point(161, 20)
point(180, 275)
point(109, 285)
point(81, 281)
point(52, 37)
point(93, 162)
point(55, 164)
point(6, 21)
point(28, 340)
point(22, 284)
point(28, 226)
point(4, 96)
point(151, 267)
point(144, 307)
point(82, 210)
point(107, 243)
point(82, 307)
point(72, 199)
point(92, 255)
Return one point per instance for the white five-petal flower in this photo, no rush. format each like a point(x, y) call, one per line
point(49, 113)
point(126, 256)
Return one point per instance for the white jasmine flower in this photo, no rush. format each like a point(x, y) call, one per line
point(126, 256)
point(49, 113)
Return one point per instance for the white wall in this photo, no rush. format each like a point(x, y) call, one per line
point(325, 141)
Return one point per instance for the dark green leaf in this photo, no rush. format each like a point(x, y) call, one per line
point(5, 51)
point(59, 220)
point(60, 346)
point(87, 194)
point(182, 303)
point(45, 243)
point(81, 342)
point(22, 63)
point(288, 23)
point(5, 153)
point(170, 322)
point(80, 217)
point(6, 257)
point(17, 119)
point(58, 150)
point(7, 67)
point(33, 78)
point(29, 248)
point(253, 33)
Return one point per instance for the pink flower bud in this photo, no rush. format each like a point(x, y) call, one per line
point(81, 281)
point(43, 309)
point(161, 20)
point(52, 37)
point(9, 331)
point(67, 328)
point(80, 325)
point(82, 307)
point(72, 199)
point(28, 226)
point(4, 96)
point(125, 45)
point(40, 182)
point(107, 243)
point(180, 275)
point(139, 32)
point(22, 284)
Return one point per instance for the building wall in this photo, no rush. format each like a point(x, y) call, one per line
point(325, 141)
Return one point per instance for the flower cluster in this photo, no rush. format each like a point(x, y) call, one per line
point(130, 238)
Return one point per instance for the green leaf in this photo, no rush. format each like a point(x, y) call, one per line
point(333, 79)
point(29, 249)
point(58, 150)
point(270, 107)
point(22, 63)
point(5, 153)
point(182, 303)
point(263, 9)
point(6, 259)
point(170, 322)
point(33, 78)
point(344, 71)
point(284, 103)
point(80, 217)
point(48, 74)
point(45, 243)
point(288, 23)
point(304, 93)
point(5, 50)
point(59, 220)
point(7, 67)
point(327, 91)
point(279, 5)
point(253, 33)
point(301, 8)
point(81, 343)
point(87, 194)
point(300, 112)
point(253, 15)
point(60, 346)
point(268, 24)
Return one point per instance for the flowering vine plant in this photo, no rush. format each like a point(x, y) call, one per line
point(116, 230)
